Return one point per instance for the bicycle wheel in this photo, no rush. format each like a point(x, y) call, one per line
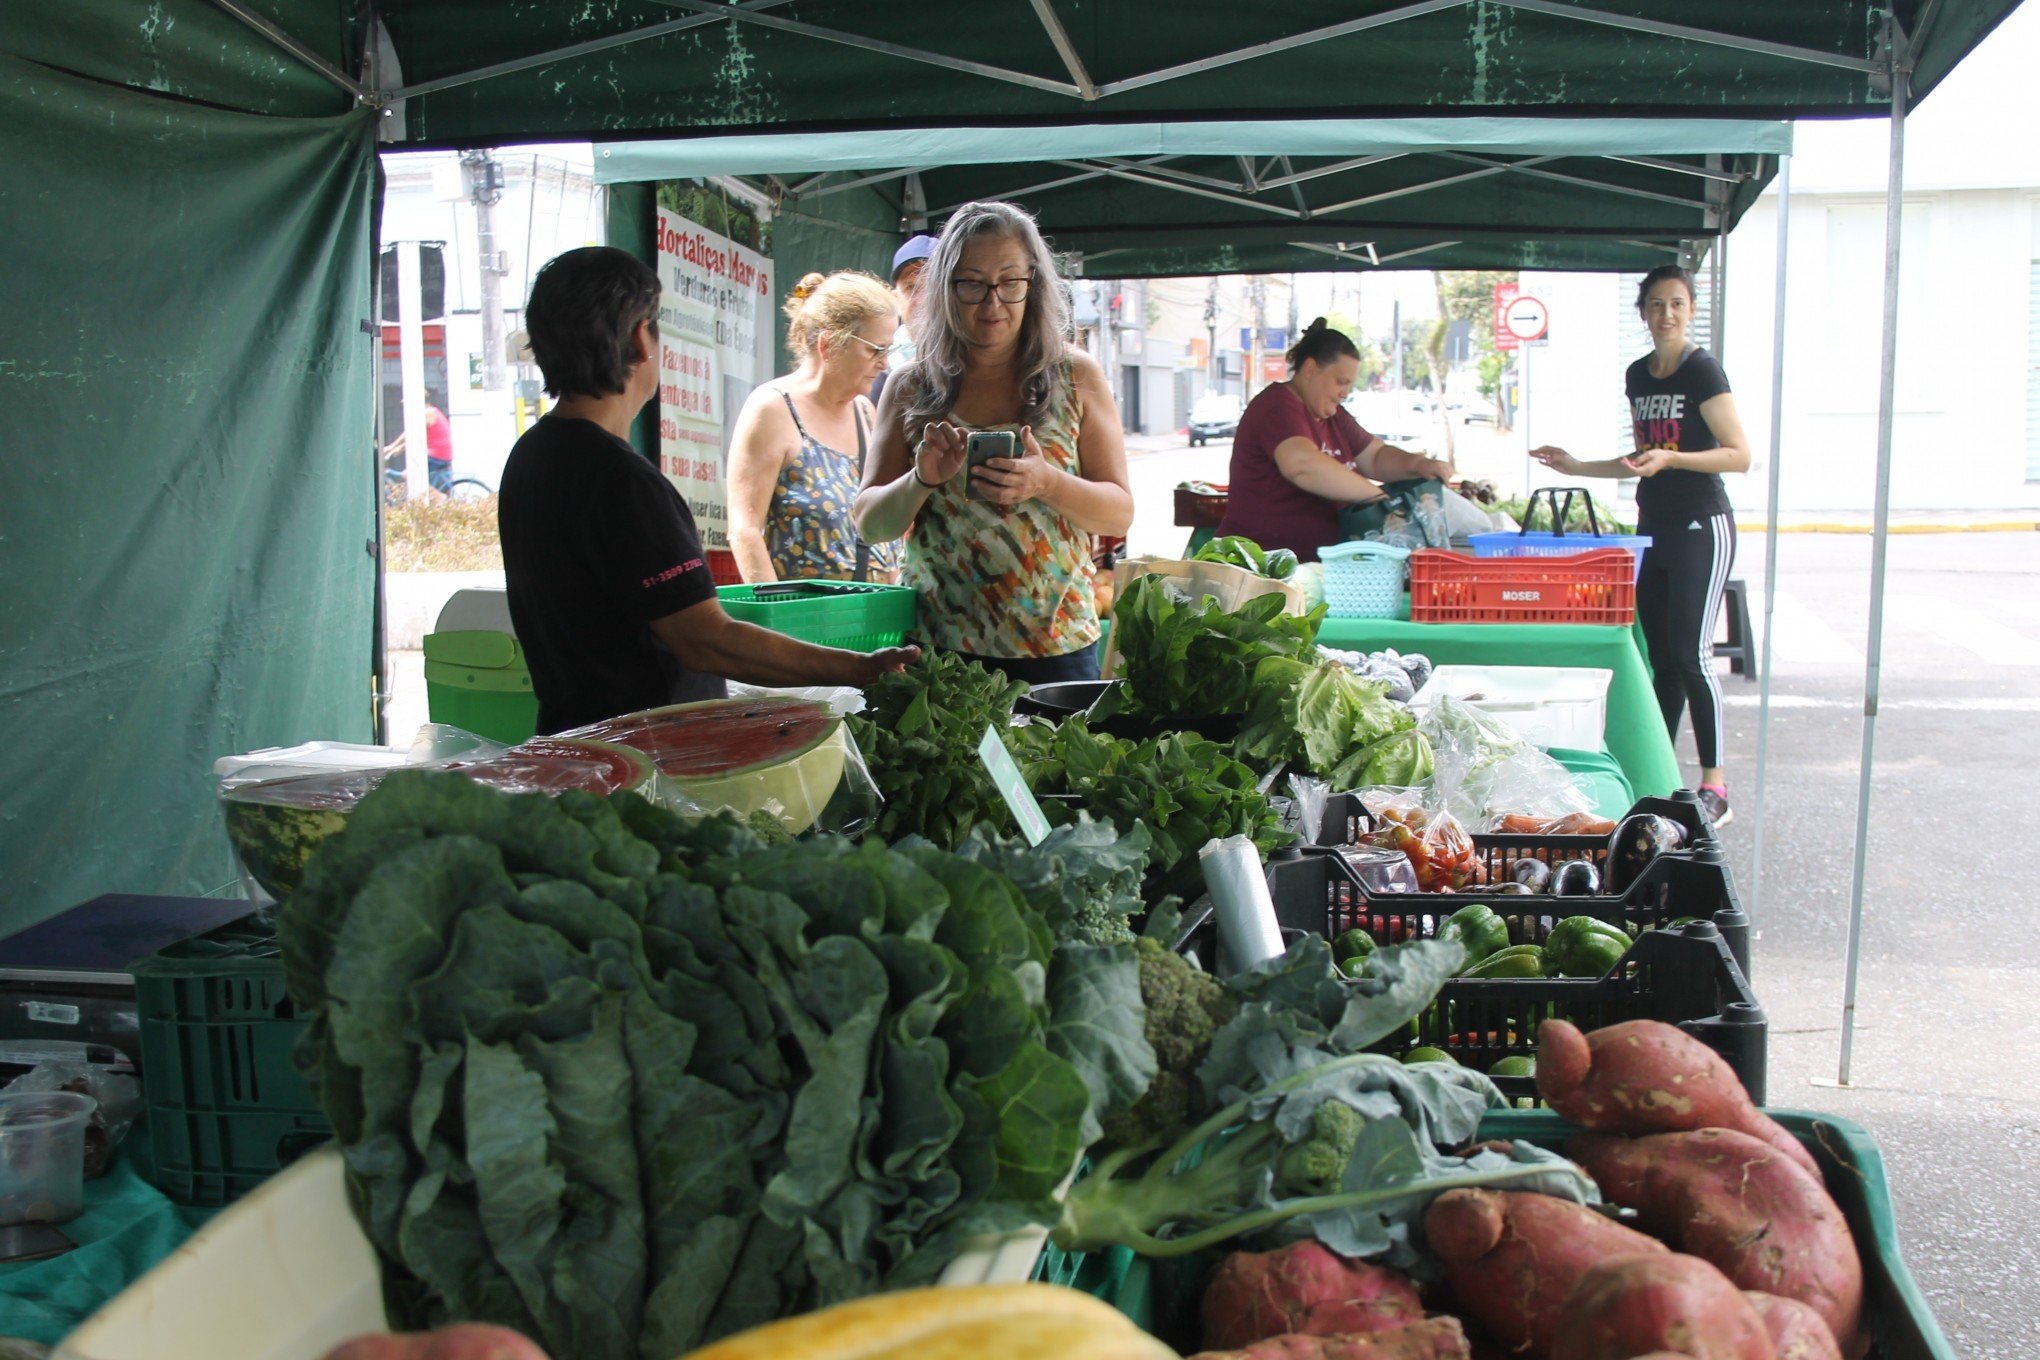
point(469, 489)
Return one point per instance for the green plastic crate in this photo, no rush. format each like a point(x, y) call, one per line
point(227, 1105)
point(479, 682)
point(851, 614)
point(1156, 1294)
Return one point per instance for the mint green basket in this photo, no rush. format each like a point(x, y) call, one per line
point(851, 614)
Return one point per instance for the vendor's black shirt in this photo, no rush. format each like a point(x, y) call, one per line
point(596, 545)
point(1666, 415)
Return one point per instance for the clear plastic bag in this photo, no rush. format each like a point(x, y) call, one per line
point(1416, 822)
point(119, 1096)
point(786, 755)
point(1486, 770)
point(274, 824)
point(1306, 814)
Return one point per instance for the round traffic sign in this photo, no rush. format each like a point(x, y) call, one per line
point(1526, 318)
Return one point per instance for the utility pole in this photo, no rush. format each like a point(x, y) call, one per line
point(1211, 336)
point(485, 186)
point(1397, 323)
point(1259, 289)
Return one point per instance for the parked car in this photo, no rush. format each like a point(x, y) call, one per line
point(1214, 417)
point(1399, 418)
point(1483, 414)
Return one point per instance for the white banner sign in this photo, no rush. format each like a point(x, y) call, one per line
point(715, 342)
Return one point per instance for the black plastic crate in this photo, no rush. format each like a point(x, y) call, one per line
point(1694, 882)
point(1686, 977)
point(227, 1104)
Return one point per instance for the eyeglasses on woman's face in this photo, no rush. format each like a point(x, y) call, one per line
point(971, 292)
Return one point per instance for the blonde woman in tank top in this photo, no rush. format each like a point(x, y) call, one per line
point(798, 451)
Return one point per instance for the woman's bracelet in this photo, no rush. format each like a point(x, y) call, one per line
point(915, 468)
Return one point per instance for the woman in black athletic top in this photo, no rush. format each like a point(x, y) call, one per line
point(1687, 435)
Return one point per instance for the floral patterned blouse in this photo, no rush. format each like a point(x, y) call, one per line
point(1006, 581)
point(808, 530)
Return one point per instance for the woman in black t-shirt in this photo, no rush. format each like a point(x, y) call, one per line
point(1687, 435)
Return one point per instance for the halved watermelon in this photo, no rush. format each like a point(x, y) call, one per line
point(277, 824)
point(769, 754)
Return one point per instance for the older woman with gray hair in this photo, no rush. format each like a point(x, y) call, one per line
point(999, 548)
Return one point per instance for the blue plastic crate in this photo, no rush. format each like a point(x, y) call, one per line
point(1365, 580)
point(1506, 544)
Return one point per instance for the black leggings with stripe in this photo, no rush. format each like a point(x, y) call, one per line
point(1678, 599)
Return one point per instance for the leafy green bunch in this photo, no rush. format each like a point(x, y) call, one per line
point(629, 1083)
point(919, 733)
point(1296, 1128)
point(1322, 718)
point(1189, 659)
point(1183, 789)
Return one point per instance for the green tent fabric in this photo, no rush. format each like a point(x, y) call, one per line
point(188, 475)
point(819, 65)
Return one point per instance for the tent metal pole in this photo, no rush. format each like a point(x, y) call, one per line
point(581, 49)
point(1562, 10)
point(1160, 183)
point(294, 47)
point(1894, 219)
point(1721, 296)
point(1524, 168)
point(1771, 529)
point(858, 40)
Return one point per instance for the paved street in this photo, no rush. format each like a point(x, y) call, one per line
point(1947, 1039)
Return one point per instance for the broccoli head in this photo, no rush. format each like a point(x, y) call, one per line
point(1317, 1164)
point(1186, 1008)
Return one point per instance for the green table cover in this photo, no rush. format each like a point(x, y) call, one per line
point(127, 1227)
point(1636, 730)
point(1607, 785)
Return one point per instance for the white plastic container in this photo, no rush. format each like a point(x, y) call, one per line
point(42, 1156)
point(282, 1274)
point(285, 1273)
point(1549, 705)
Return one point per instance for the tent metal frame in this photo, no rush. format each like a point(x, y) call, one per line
point(1080, 87)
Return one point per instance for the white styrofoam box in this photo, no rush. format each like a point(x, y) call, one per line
point(282, 1274)
point(285, 1273)
point(1549, 705)
point(476, 610)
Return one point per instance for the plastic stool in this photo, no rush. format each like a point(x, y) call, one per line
point(1739, 648)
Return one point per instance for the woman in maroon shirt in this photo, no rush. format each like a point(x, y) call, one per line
point(1299, 455)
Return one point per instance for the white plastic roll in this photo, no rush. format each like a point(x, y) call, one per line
point(1247, 933)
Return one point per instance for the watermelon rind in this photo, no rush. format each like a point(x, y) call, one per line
point(275, 840)
point(794, 787)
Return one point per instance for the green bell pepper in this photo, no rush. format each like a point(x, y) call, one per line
point(1517, 961)
point(1353, 944)
point(1583, 947)
point(1478, 930)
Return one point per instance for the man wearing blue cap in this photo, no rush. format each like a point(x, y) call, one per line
point(909, 262)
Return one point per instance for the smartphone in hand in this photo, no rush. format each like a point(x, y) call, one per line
point(980, 447)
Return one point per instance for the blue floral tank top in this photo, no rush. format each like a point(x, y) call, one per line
point(808, 530)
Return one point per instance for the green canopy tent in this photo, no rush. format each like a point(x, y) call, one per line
point(190, 221)
point(1134, 200)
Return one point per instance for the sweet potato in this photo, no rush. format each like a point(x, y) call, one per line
point(1512, 1258)
point(1730, 1199)
point(1303, 1288)
point(1632, 1305)
point(1797, 1332)
point(1643, 1076)
point(464, 1341)
point(1438, 1338)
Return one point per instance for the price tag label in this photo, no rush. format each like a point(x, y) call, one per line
point(1005, 773)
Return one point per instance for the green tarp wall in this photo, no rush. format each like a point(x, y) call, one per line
point(186, 480)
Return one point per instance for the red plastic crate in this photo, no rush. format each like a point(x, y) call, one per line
point(1589, 587)
point(722, 567)
point(1195, 510)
